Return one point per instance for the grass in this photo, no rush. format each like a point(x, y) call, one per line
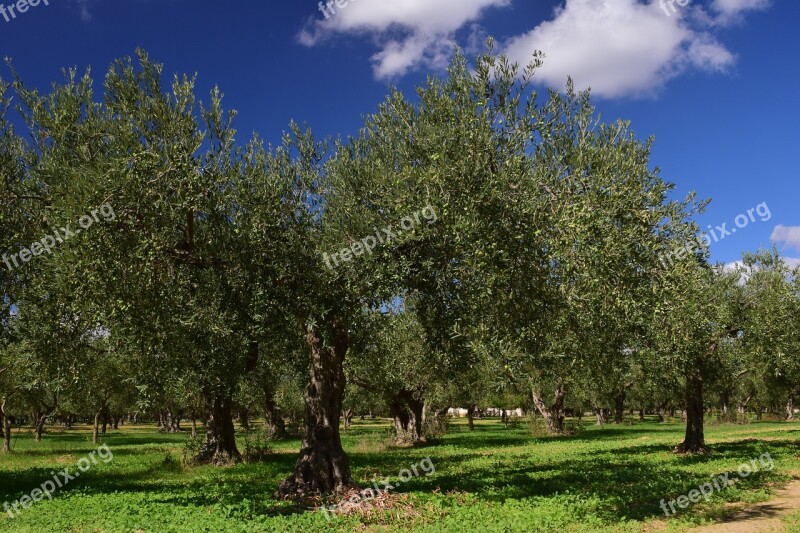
point(494, 479)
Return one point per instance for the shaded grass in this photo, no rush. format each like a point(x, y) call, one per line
point(494, 479)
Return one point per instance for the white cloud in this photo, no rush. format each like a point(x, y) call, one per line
point(731, 10)
point(787, 236)
point(738, 266)
point(409, 33)
point(730, 267)
point(706, 53)
point(619, 48)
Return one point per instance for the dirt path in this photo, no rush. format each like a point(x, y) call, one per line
point(761, 517)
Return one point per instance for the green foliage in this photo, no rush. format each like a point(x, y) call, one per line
point(257, 445)
point(191, 450)
point(435, 427)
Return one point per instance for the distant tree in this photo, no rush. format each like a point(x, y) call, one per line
point(772, 308)
point(393, 363)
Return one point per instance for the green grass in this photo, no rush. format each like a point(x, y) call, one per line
point(792, 523)
point(495, 479)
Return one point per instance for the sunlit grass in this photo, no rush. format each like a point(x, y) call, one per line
point(495, 479)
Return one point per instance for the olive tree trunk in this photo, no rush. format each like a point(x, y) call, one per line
point(408, 413)
point(38, 425)
point(599, 414)
point(220, 443)
point(471, 416)
point(96, 426)
point(322, 466)
point(619, 408)
point(348, 418)
point(6, 428)
point(553, 415)
point(694, 440)
point(273, 420)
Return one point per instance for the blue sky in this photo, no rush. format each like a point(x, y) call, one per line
point(715, 81)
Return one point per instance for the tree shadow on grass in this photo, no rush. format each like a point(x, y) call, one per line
point(489, 438)
point(748, 448)
point(629, 482)
point(630, 489)
point(627, 485)
point(202, 486)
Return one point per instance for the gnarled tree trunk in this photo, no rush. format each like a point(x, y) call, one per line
point(694, 440)
point(322, 466)
point(348, 418)
point(471, 416)
point(220, 443)
point(408, 412)
point(553, 415)
point(38, 425)
point(170, 421)
point(599, 414)
point(272, 416)
point(743, 405)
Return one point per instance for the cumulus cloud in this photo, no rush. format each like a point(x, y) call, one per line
point(729, 11)
point(409, 33)
point(787, 236)
point(618, 48)
point(621, 48)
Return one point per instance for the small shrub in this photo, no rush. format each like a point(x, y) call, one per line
point(191, 450)
point(575, 426)
point(170, 463)
point(436, 426)
point(537, 426)
point(257, 445)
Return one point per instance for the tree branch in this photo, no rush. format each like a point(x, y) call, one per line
point(363, 384)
